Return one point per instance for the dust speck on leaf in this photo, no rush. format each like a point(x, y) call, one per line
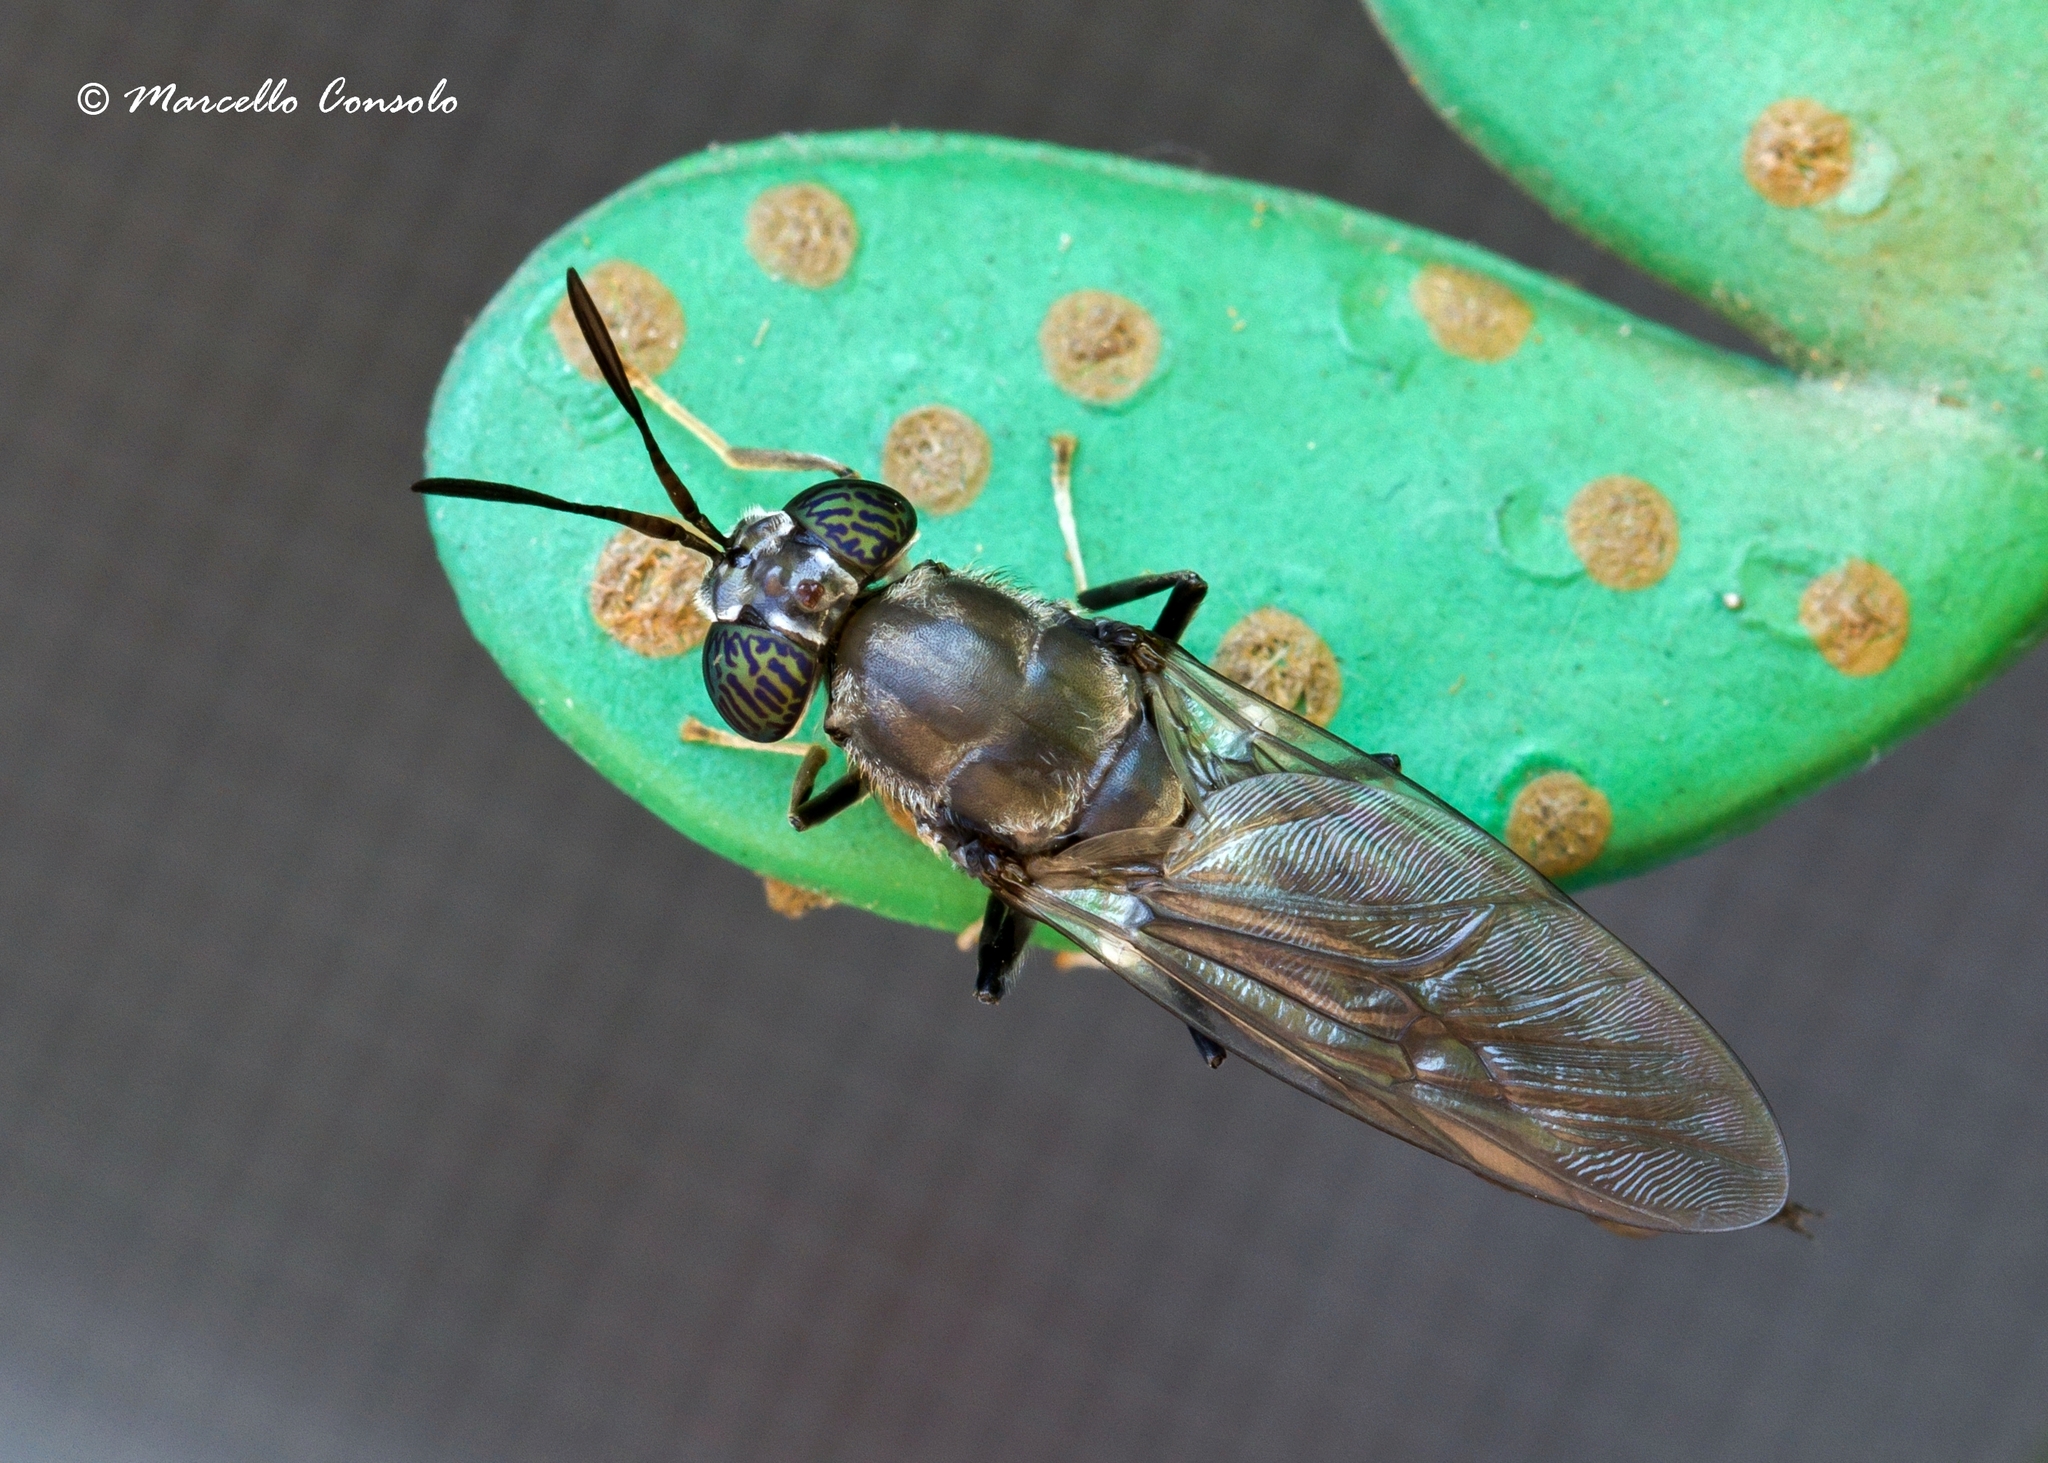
point(1278, 656)
point(1098, 346)
point(644, 594)
point(1559, 822)
point(1470, 315)
point(1858, 616)
point(937, 457)
point(1798, 153)
point(804, 233)
point(644, 318)
point(1624, 531)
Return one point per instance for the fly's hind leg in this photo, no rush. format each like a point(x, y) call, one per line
point(1189, 589)
point(1794, 1217)
point(807, 811)
point(1004, 935)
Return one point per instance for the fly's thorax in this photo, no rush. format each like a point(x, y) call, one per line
point(784, 576)
point(996, 710)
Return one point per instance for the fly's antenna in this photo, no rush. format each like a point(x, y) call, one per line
point(646, 523)
point(696, 531)
point(606, 354)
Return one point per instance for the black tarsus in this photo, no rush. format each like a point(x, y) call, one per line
point(1389, 760)
point(1189, 589)
point(1004, 934)
point(485, 492)
point(807, 812)
point(1794, 1216)
point(1211, 1049)
point(599, 339)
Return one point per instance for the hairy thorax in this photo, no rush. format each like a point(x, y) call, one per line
point(994, 715)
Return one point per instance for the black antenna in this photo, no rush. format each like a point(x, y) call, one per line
point(484, 492)
point(599, 340)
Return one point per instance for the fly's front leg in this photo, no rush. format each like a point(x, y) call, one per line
point(746, 459)
point(1004, 935)
point(1189, 589)
point(806, 811)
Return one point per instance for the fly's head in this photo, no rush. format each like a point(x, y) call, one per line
point(780, 584)
point(783, 588)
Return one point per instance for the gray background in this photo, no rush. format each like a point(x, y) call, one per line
point(377, 1083)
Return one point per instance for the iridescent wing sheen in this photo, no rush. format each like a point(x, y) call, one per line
point(1329, 921)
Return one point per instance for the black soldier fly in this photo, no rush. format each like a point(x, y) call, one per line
point(1292, 899)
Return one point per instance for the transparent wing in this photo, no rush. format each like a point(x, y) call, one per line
point(1331, 922)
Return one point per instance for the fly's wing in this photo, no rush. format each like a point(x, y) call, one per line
point(1329, 921)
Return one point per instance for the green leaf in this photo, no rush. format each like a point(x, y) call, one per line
point(1305, 439)
point(1926, 264)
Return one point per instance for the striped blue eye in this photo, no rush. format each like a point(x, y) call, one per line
point(863, 524)
point(760, 681)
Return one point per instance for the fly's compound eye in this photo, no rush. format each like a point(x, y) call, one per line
point(863, 525)
point(759, 680)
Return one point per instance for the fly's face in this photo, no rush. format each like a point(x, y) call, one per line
point(781, 591)
point(787, 578)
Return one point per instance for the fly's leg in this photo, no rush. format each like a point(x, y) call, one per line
point(1004, 933)
point(1063, 445)
point(1389, 760)
point(806, 811)
point(1794, 1217)
point(1211, 1049)
point(1188, 588)
point(746, 459)
point(1626, 1231)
